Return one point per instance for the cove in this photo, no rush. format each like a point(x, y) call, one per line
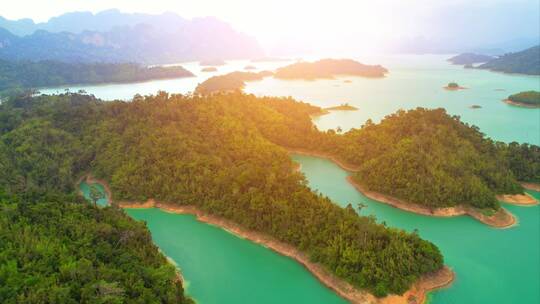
point(492, 265)
point(219, 267)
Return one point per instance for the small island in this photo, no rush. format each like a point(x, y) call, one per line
point(212, 62)
point(468, 59)
point(329, 69)
point(230, 82)
point(475, 107)
point(209, 69)
point(453, 86)
point(250, 67)
point(342, 107)
point(528, 99)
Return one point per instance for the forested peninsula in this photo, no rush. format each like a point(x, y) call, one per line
point(27, 74)
point(215, 153)
point(329, 68)
point(523, 62)
point(429, 159)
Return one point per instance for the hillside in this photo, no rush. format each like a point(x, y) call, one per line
point(524, 62)
point(211, 153)
point(56, 247)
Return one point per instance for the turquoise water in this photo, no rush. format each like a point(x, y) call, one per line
point(492, 265)
point(184, 85)
point(85, 189)
point(417, 81)
point(220, 267)
point(413, 81)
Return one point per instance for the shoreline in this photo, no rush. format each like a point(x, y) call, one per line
point(531, 186)
point(429, 282)
point(518, 199)
point(501, 219)
point(520, 104)
point(454, 88)
point(419, 290)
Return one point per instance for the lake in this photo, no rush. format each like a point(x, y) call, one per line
point(413, 81)
point(492, 265)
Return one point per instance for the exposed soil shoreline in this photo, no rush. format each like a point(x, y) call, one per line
point(454, 88)
point(501, 219)
point(531, 186)
point(518, 199)
point(520, 104)
point(417, 293)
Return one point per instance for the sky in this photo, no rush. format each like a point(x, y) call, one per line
point(315, 24)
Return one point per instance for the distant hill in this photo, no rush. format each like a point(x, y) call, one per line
point(469, 58)
point(24, 75)
point(112, 36)
point(524, 62)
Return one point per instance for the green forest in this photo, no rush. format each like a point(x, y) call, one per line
point(56, 247)
point(224, 154)
point(212, 152)
point(26, 74)
point(424, 156)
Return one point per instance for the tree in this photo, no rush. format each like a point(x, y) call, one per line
point(95, 194)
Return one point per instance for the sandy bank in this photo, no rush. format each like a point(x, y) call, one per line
point(531, 186)
point(518, 199)
point(418, 291)
point(501, 219)
point(520, 104)
point(454, 88)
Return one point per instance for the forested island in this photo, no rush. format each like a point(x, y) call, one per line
point(342, 107)
point(523, 62)
point(469, 59)
point(26, 74)
point(453, 86)
point(215, 153)
point(329, 68)
point(234, 81)
point(528, 99)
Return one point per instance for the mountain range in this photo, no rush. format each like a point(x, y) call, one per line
point(113, 36)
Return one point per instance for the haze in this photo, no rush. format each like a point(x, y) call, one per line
point(330, 27)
